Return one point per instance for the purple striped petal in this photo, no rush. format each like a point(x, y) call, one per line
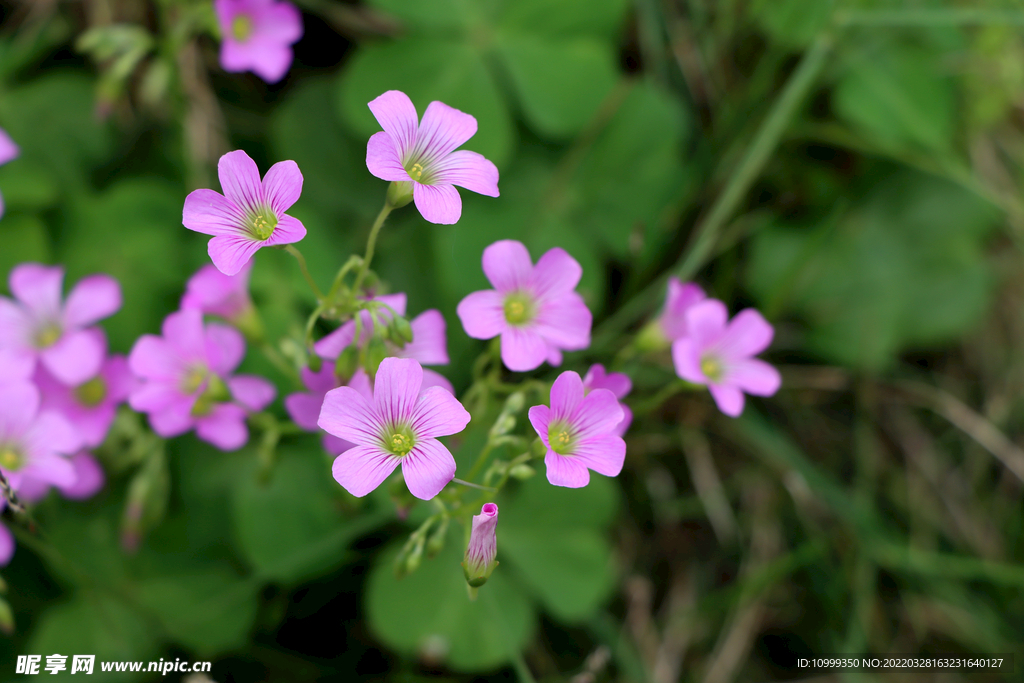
point(363, 468)
point(282, 186)
point(211, 213)
point(348, 415)
point(605, 454)
point(240, 180)
point(470, 170)
point(748, 334)
point(438, 413)
point(383, 160)
point(427, 468)
point(522, 349)
point(482, 314)
point(599, 413)
point(540, 418)
point(566, 471)
point(396, 114)
point(442, 130)
point(288, 231)
point(439, 204)
point(686, 358)
point(754, 377)
point(230, 253)
point(396, 389)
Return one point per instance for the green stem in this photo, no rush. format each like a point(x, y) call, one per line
point(277, 360)
point(371, 242)
point(290, 248)
point(480, 459)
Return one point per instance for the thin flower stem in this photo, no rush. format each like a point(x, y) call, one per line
point(480, 459)
point(371, 243)
point(290, 248)
point(277, 360)
point(667, 392)
point(475, 486)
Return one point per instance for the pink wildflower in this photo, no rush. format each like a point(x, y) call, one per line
point(89, 479)
point(534, 308)
point(38, 324)
point(479, 561)
point(680, 298)
point(258, 35)
point(423, 153)
point(304, 407)
point(401, 425)
point(214, 293)
point(579, 431)
point(617, 383)
point(186, 381)
point(8, 152)
point(250, 214)
point(720, 355)
point(34, 443)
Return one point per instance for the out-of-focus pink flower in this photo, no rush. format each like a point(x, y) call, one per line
point(534, 308)
point(482, 550)
point(187, 382)
point(38, 324)
point(400, 426)
point(616, 382)
point(8, 152)
point(720, 354)
point(680, 298)
point(250, 214)
point(423, 154)
point(579, 431)
point(89, 479)
point(214, 293)
point(6, 542)
point(257, 36)
point(34, 444)
point(304, 407)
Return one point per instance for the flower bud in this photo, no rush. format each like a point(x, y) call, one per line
point(504, 425)
point(376, 352)
point(514, 403)
point(522, 471)
point(399, 193)
point(401, 330)
point(315, 362)
point(652, 338)
point(480, 561)
point(436, 541)
point(347, 361)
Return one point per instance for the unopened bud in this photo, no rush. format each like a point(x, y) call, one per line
point(399, 193)
point(376, 352)
point(401, 330)
point(652, 337)
point(348, 361)
point(522, 471)
point(480, 561)
point(315, 362)
point(515, 402)
point(436, 542)
point(504, 425)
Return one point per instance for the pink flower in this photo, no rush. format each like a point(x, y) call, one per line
point(579, 431)
point(720, 355)
point(479, 561)
point(304, 407)
point(258, 35)
point(616, 382)
point(214, 293)
point(8, 152)
point(534, 308)
point(39, 325)
point(250, 214)
point(333, 344)
point(186, 381)
point(424, 154)
point(680, 298)
point(89, 479)
point(401, 425)
point(6, 542)
point(89, 406)
point(34, 443)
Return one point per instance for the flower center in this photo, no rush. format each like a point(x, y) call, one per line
point(216, 392)
point(561, 438)
point(712, 368)
point(194, 378)
point(91, 393)
point(416, 172)
point(399, 440)
point(241, 27)
point(48, 335)
point(518, 309)
point(10, 459)
point(263, 224)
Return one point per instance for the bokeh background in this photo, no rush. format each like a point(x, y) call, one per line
point(850, 168)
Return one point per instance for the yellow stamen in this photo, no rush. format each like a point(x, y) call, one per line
point(712, 368)
point(48, 336)
point(10, 459)
point(91, 393)
point(241, 27)
point(400, 444)
point(416, 172)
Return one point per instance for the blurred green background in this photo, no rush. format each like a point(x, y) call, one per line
point(850, 168)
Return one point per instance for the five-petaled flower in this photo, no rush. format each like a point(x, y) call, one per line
point(534, 308)
point(720, 354)
point(250, 214)
point(423, 153)
point(35, 444)
point(580, 432)
point(400, 426)
point(258, 35)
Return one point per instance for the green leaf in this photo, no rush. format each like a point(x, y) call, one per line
point(433, 15)
point(794, 23)
point(596, 18)
point(428, 69)
point(896, 94)
point(429, 611)
point(554, 539)
point(25, 239)
point(209, 610)
point(559, 102)
point(27, 186)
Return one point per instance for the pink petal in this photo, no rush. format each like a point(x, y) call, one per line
point(599, 413)
point(89, 477)
point(332, 345)
point(334, 445)
point(282, 186)
point(466, 169)
point(566, 395)
point(153, 358)
point(361, 382)
point(382, 159)
point(616, 382)
point(269, 60)
point(396, 114)
point(363, 468)
point(320, 382)
point(396, 389)
point(92, 299)
point(540, 418)
point(428, 345)
point(565, 322)
point(15, 364)
point(51, 433)
point(154, 397)
point(754, 377)
point(522, 349)
point(728, 398)
point(211, 213)
point(627, 420)
point(38, 287)
point(705, 322)
point(230, 253)
point(747, 334)
point(442, 130)
point(225, 348)
point(8, 149)
point(436, 379)
point(566, 471)
point(304, 409)
point(50, 468)
point(174, 418)
point(686, 358)
point(605, 455)
point(6, 545)
point(183, 331)
point(482, 314)
point(240, 180)
point(15, 327)
point(76, 356)
point(427, 468)
point(679, 300)
point(507, 266)
point(556, 273)
point(348, 415)
point(439, 204)
point(289, 230)
point(224, 427)
point(254, 393)
point(437, 413)
point(19, 403)
point(280, 22)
